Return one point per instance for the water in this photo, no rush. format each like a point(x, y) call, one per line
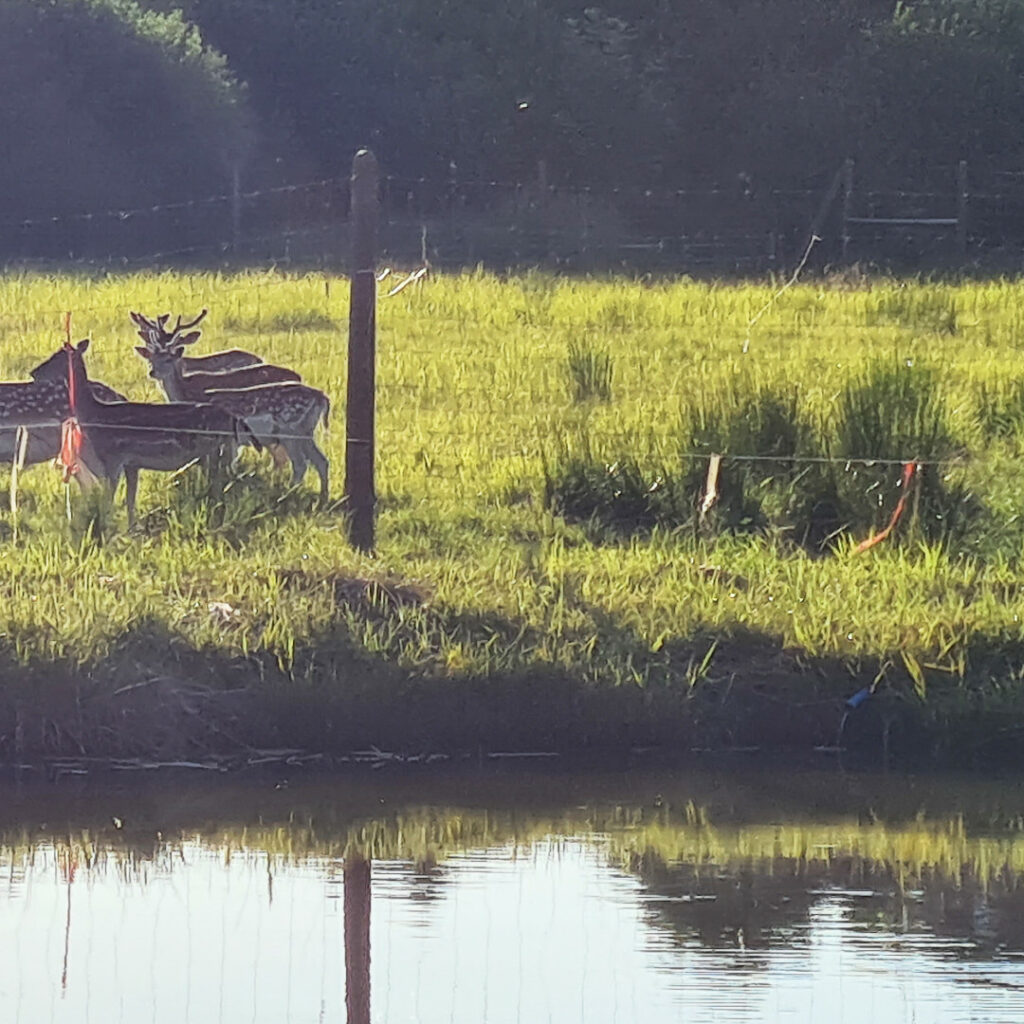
point(727, 896)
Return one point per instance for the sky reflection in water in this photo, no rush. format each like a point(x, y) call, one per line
point(554, 923)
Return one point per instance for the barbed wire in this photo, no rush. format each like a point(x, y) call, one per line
point(456, 186)
point(121, 214)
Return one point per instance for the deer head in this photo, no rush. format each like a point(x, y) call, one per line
point(56, 366)
point(163, 362)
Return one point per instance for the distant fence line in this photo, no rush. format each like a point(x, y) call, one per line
point(742, 227)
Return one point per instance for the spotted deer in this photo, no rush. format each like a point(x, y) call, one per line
point(159, 339)
point(41, 406)
point(285, 414)
point(124, 437)
point(200, 381)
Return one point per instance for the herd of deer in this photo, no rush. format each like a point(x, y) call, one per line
point(215, 404)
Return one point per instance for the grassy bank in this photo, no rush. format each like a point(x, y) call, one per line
point(544, 576)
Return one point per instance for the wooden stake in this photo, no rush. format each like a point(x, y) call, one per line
point(359, 443)
point(711, 486)
point(357, 939)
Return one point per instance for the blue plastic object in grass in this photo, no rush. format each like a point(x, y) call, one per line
point(858, 698)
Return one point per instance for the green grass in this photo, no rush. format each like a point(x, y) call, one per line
point(542, 450)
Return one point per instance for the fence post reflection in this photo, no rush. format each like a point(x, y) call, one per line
point(357, 939)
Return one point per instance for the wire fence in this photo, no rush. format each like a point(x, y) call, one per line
point(739, 227)
point(304, 227)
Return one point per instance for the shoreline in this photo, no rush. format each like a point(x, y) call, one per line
point(544, 579)
point(211, 709)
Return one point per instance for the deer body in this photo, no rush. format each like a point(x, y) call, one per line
point(39, 405)
point(216, 362)
point(42, 406)
point(201, 382)
point(124, 437)
point(286, 414)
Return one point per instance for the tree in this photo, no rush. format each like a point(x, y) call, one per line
point(106, 104)
point(426, 83)
point(942, 80)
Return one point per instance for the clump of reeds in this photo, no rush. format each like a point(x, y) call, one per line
point(626, 494)
point(589, 368)
point(887, 414)
point(999, 408)
point(756, 427)
point(779, 472)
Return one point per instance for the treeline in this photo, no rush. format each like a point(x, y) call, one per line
point(117, 101)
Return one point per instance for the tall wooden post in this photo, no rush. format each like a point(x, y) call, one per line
point(236, 206)
point(847, 206)
point(362, 345)
point(357, 939)
point(961, 207)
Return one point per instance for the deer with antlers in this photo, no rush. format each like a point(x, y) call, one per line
point(285, 414)
point(124, 437)
point(200, 381)
point(159, 339)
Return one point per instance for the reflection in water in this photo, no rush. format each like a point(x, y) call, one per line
point(635, 900)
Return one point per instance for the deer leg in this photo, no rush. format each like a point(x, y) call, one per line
point(279, 454)
point(131, 487)
point(320, 464)
point(300, 463)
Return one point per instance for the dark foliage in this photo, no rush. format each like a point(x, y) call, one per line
point(108, 106)
point(118, 103)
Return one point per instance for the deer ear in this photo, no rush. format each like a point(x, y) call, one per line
point(83, 345)
point(189, 339)
point(144, 352)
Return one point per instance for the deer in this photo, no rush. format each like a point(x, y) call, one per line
point(124, 437)
point(201, 381)
point(40, 405)
point(158, 339)
point(285, 414)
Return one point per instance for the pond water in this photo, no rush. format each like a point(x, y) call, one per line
point(512, 896)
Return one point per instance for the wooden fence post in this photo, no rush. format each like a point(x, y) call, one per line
point(236, 206)
point(357, 938)
point(847, 206)
point(961, 207)
point(359, 413)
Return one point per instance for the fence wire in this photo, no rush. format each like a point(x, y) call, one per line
point(451, 451)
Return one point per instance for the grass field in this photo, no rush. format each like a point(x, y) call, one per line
point(543, 573)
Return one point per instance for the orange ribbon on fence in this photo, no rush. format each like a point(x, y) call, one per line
point(70, 447)
point(71, 437)
point(910, 470)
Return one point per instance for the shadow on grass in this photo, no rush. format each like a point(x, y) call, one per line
point(154, 696)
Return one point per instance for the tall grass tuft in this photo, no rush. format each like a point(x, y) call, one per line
point(763, 486)
point(589, 369)
point(886, 414)
point(759, 423)
point(627, 494)
point(999, 409)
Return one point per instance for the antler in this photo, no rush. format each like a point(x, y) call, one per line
point(140, 321)
point(156, 334)
point(179, 326)
point(150, 331)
